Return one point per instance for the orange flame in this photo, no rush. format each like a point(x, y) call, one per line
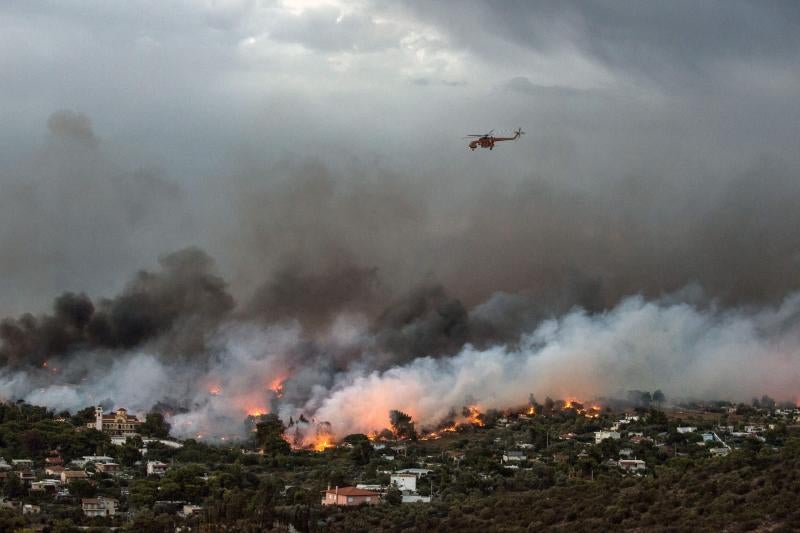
point(474, 416)
point(276, 385)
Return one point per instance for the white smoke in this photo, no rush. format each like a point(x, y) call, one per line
point(685, 350)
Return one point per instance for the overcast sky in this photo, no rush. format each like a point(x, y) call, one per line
point(131, 129)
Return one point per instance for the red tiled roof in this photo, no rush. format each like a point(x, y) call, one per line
point(351, 491)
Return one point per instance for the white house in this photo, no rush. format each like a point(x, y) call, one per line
point(404, 482)
point(156, 468)
point(686, 429)
point(600, 436)
point(632, 465)
point(513, 455)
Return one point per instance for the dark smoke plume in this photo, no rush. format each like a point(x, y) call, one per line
point(184, 291)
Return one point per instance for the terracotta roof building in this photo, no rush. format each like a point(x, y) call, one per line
point(349, 496)
point(117, 423)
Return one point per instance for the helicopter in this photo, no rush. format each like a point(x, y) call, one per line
point(487, 140)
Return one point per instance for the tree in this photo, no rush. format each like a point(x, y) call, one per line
point(361, 452)
point(269, 435)
point(83, 417)
point(394, 496)
point(402, 426)
point(155, 425)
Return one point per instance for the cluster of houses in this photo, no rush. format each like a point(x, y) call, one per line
point(55, 477)
point(404, 480)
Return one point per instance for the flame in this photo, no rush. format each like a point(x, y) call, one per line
point(276, 385)
point(216, 390)
point(474, 416)
point(322, 443)
point(256, 411)
point(531, 411)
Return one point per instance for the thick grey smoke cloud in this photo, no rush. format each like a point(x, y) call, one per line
point(313, 153)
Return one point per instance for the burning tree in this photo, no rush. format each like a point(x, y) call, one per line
point(402, 426)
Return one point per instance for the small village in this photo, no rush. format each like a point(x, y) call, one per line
point(114, 470)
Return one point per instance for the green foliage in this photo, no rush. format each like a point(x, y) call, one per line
point(269, 435)
point(154, 425)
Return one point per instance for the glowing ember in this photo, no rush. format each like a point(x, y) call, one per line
point(215, 391)
point(531, 411)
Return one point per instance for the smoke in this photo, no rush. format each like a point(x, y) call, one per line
point(343, 291)
point(678, 348)
point(185, 290)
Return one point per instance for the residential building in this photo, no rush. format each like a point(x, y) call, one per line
point(404, 482)
point(600, 436)
point(4, 465)
point(54, 471)
point(68, 476)
point(156, 468)
point(22, 463)
point(686, 429)
point(632, 465)
point(100, 506)
point(107, 468)
point(29, 508)
point(117, 423)
point(513, 455)
point(350, 496)
point(189, 510)
point(26, 476)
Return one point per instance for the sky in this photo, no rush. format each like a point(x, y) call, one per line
point(660, 147)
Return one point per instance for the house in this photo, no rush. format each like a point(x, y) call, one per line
point(100, 506)
point(626, 452)
point(45, 485)
point(719, 452)
point(22, 463)
point(27, 477)
point(686, 429)
point(189, 510)
point(29, 508)
point(117, 423)
point(4, 465)
point(156, 468)
point(68, 476)
point(600, 436)
point(632, 465)
point(513, 455)
point(92, 459)
point(404, 482)
point(54, 471)
point(107, 468)
point(349, 496)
